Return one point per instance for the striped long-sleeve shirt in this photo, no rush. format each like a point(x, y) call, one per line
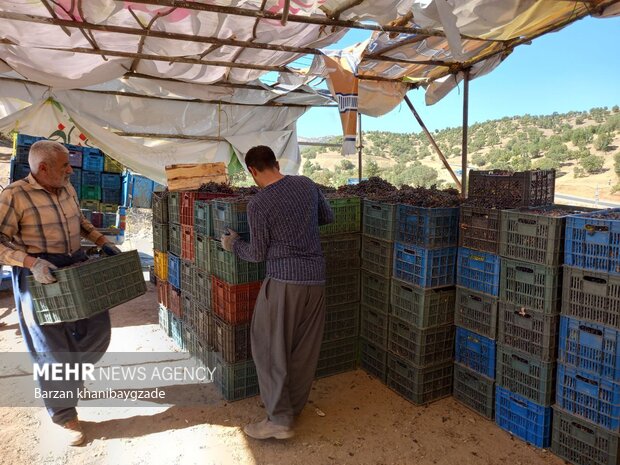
point(33, 220)
point(284, 220)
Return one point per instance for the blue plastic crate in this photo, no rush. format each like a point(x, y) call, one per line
point(593, 241)
point(427, 227)
point(91, 178)
point(174, 270)
point(522, 417)
point(24, 139)
point(111, 196)
point(111, 181)
point(92, 159)
point(592, 397)
point(423, 267)
point(19, 171)
point(590, 346)
point(475, 351)
point(75, 155)
point(479, 271)
point(21, 153)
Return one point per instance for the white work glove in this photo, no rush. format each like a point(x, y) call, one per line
point(42, 271)
point(228, 240)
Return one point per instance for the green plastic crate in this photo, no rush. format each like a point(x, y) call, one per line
point(160, 237)
point(108, 208)
point(475, 391)
point(423, 308)
point(476, 311)
point(174, 207)
point(111, 166)
point(422, 347)
point(536, 287)
point(342, 288)
point(379, 220)
point(375, 292)
point(235, 381)
point(202, 218)
point(373, 359)
point(374, 326)
point(341, 252)
point(347, 216)
point(230, 214)
point(202, 252)
point(419, 385)
point(225, 265)
point(187, 277)
point(90, 193)
point(160, 207)
point(202, 288)
point(341, 322)
point(377, 256)
point(174, 238)
point(337, 357)
point(88, 288)
point(92, 205)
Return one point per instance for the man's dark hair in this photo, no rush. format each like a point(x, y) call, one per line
point(261, 157)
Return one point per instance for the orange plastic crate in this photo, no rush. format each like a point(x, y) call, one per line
point(187, 243)
point(161, 265)
point(162, 293)
point(175, 301)
point(234, 303)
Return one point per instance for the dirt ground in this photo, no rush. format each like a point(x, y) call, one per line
point(364, 422)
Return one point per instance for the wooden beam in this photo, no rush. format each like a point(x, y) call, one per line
point(319, 144)
point(464, 179)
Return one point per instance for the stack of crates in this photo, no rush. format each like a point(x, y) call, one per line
point(92, 167)
point(341, 244)
point(160, 258)
point(586, 422)
point(420, 337)
point(175, 299)
point(475, 311)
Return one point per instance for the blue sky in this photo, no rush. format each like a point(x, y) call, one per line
point(577, 68)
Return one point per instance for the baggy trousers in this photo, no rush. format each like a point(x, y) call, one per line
point(286, 334)
point(82, 341)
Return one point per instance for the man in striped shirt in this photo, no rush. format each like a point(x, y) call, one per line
point(289, 315)
point(40, 229)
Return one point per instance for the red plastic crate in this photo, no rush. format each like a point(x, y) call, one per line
point(162, 293)
point(187, 203)
point(174, 299)
point(234, 303)
point(187, 243)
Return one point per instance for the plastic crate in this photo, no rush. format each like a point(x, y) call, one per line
point(92, 159)
point(76, 179)
point(206, 332)
point(233, 270)
point(347, 216)
point(163, 319)
point(20, 154)
point(593, 397)
point(343, 288)
point(234, 303)
point(423, 308)
point(422, 347)
point(75, 155)
point(475, 351)
point(174, 239)
point(202, 218)
point(202, 291)
point(423, 267)
point(525, 375)
point(187, 277)
point(201, 252)
point(529, 331)
point(159, 204)
point(160, 237)
point(110, 181)
point(110, 208)
point(111, 166)
point(19, 171)
point(580, 442)
point(536, 287)
point(97, 219)
point(25, 139)
point(111, 196)
point(474, 390)
point(377, 256)
point(174, 298)
point(88, 288)
point(174, 270)
point(431, 228)
point(374, 326)
point(91, 178)
point(531, 236)
point(235, 381)
point(476, 311)
point(480, 228)
point(177, 332)
point(87, 214)
point(525, 188)
point(592, 347)
point(341, 322)
point(90, 192)
point(188, 309)
point(187, 243)
point(162, 292)
point(593, 241)
point(373, 359)
point(522, 417)
point(591, 296)
point(160, 260)
point(109, 220)
point(341, 252)
point(337, 357)
point(232, 341)
point(230, 213)
point(419, 385)
point(174, 207)
point(379, 220)
point(478, 271)
point(186, 203)
point(375, 292)
point(92, 205)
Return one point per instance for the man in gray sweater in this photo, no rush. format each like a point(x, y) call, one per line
point(289, 315)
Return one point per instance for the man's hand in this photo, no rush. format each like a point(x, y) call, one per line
point(228, 240)
point(42, 271)
point(110, 249)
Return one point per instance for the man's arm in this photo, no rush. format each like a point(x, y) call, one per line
point(326, 215)
point(255, 250)
point(9, 225)
point(88, 231)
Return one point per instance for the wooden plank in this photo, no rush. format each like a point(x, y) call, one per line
point(192, 176)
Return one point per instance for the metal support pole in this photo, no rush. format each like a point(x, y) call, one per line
point(432, 141)
point(465, 127)
point(360, 146)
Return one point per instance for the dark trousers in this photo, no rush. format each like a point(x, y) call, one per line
point(286, 335)
point(82, 341)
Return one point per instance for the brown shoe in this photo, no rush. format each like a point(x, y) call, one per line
point(72, 431)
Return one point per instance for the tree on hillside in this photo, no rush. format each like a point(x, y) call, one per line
point(592, 164)
point(617, 164)
point(370, 169)
point(547, 164)
point(615, 109)
point(603, 141)
point(346, 165)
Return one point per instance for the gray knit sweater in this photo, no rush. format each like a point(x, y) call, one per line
point(284, 220)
